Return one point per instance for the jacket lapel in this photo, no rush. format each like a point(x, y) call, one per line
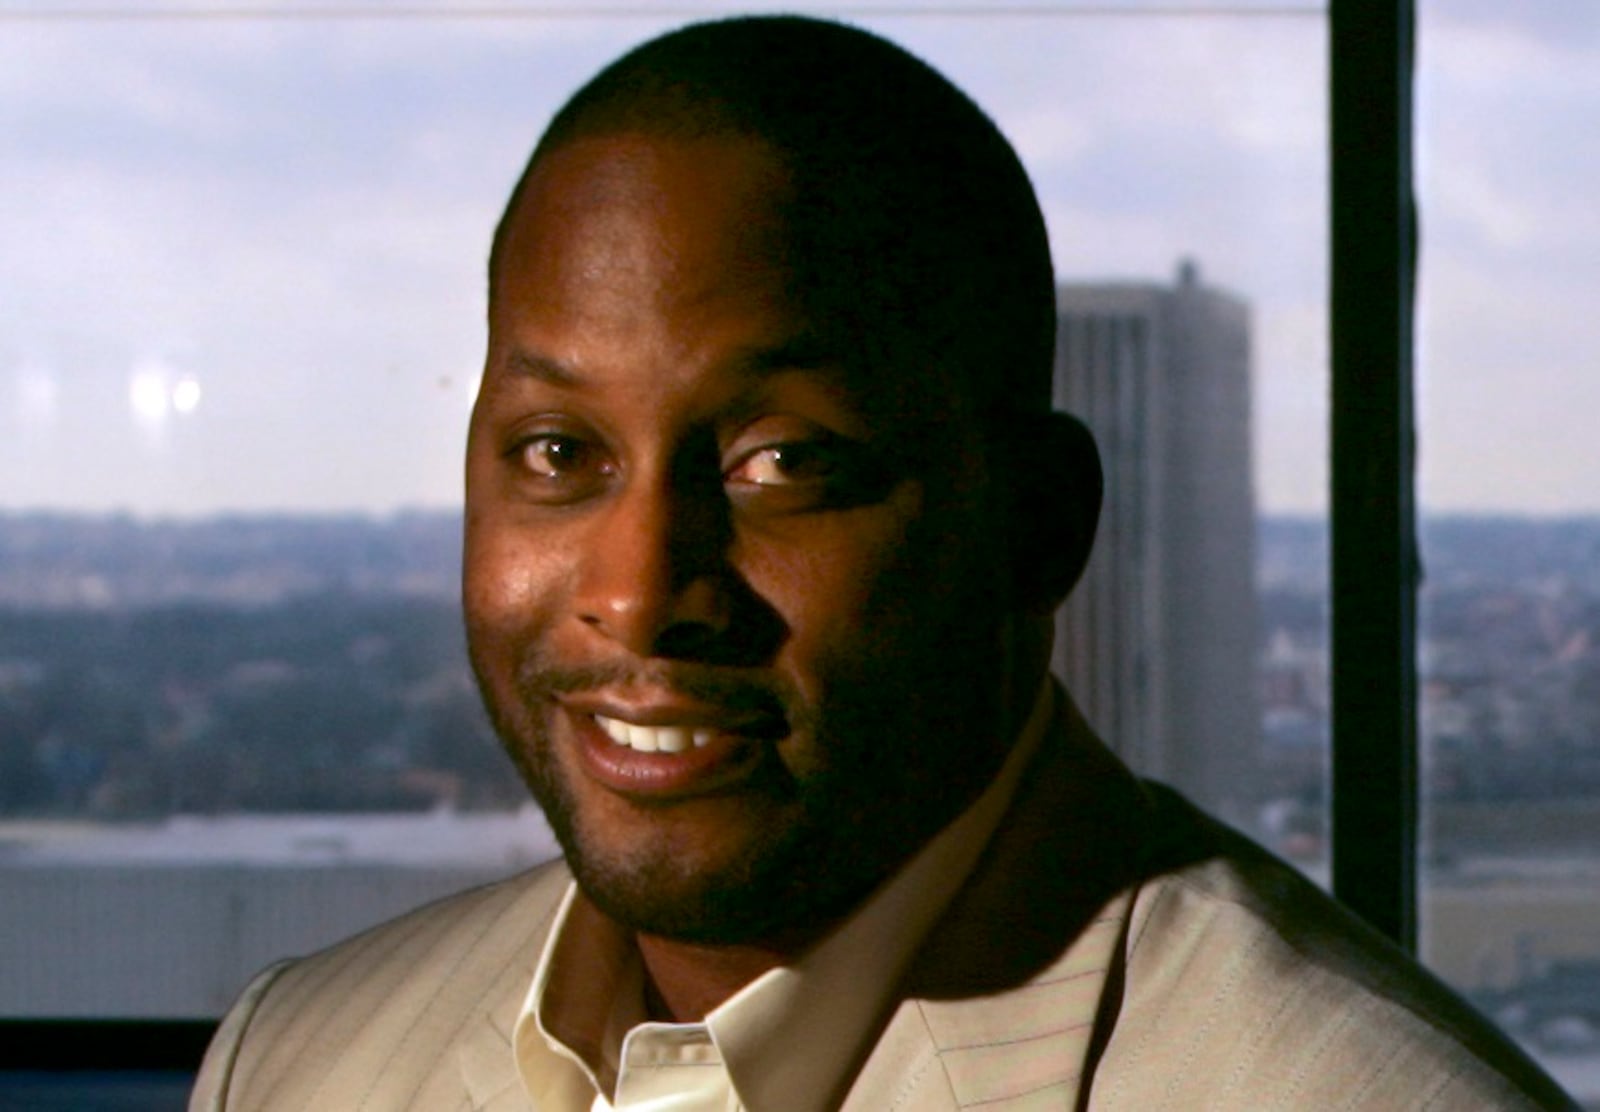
point(485, 1055)
point(1005, 1003)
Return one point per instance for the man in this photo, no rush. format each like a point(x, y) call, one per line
point(766, 519)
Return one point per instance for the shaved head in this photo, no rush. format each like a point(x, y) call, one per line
point(918, 229)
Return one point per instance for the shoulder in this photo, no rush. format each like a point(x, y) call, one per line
point(396, 999)
point(425, 941)
point(1247, 986)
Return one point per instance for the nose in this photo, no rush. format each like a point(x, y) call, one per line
point(653, 576)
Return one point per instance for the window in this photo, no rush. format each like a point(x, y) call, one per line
point(277, 221)
point(1509, 669)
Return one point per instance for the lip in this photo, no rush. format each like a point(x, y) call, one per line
point(723, 747)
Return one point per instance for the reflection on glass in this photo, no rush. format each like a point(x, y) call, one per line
point(244, 290)
point(1510, 661)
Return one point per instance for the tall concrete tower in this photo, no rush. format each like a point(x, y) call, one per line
point(1158, 642)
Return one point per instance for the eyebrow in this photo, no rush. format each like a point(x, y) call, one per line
point(803, 351)
point(542, 368)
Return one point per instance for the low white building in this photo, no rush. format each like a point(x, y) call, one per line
point(169, 920)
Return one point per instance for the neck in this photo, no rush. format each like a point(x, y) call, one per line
point(685, 980)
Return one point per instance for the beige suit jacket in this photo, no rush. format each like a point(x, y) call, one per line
point(1114, 950)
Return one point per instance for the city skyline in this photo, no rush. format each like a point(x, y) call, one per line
point(244, 265)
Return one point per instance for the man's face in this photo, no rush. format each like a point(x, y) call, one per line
point(731, 588)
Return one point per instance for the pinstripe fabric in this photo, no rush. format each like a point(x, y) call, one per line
point(1247, 988)
point(1000, 1010)
point(1113, 950)
point(414, 1014)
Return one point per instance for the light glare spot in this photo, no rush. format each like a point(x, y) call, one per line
point(186, 395)
point(147, 394)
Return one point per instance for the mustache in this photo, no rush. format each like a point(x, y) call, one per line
point(540, 677)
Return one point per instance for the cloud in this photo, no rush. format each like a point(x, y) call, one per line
point(1565, 31)
point(1510, 258)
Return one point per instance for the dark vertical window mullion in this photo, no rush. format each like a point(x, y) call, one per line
point(1374, 562)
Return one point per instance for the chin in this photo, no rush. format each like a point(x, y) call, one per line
point(770, 908)
point(743, 882)
point(762, 872)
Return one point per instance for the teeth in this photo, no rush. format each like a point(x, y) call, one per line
point(653, 739)
point(673, 740)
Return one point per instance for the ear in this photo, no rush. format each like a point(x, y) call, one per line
point(1056, 486)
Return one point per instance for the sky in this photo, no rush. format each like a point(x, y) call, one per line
point(244, 242)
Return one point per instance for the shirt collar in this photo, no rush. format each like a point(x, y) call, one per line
point(587, 987)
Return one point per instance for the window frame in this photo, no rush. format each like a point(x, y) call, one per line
point(1371, 525)
point(81, 1045)
point(1372, 511)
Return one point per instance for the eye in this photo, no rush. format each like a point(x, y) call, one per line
point(813, 471)
point(784, 465)
point(559, 467)
point(557, 456)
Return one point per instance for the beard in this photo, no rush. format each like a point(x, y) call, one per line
point(809, 844)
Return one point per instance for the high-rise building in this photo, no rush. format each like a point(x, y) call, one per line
point(1158, 642)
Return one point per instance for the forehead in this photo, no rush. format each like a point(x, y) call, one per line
point(688, 248)
point(627, 204)
point(624, 249)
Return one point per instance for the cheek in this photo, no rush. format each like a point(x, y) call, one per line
point(510, 587)
point(841, 583)
point(902, 602)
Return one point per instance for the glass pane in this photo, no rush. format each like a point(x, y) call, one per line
point(1510, 667)
point(244, 289)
